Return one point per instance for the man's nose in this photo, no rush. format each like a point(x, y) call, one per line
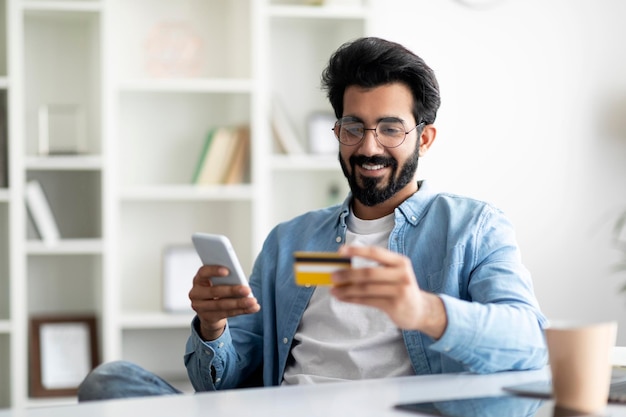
point(369, 143)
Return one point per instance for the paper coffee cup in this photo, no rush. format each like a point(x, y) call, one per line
point(580, 362)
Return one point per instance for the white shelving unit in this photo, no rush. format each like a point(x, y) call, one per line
point(129, 196)
point(6, 324)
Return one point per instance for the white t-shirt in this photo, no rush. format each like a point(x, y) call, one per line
point(338, 341)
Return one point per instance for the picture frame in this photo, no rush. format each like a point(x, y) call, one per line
point(63, 350)
point(180, 264)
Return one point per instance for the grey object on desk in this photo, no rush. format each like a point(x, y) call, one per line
point(543, 388)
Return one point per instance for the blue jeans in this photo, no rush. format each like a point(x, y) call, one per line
point(122, 379)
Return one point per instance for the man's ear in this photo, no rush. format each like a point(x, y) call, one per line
point(427, 138)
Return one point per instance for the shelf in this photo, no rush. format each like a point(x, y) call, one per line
point(50, 402)
point(71, 6)
point(305, 163)
point(191, 85)
point(188, 193)
point(66, 247)
point(316, 12)
point(4, 83)
point(4, 195)
point(65, 162)
point(157, 320)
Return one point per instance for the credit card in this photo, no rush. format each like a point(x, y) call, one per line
point(315, 268)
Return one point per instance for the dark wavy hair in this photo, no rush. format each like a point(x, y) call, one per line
point(372, 62)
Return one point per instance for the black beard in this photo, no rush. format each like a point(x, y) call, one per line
point(370, 194)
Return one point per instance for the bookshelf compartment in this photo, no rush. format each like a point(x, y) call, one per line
point(5, 289)
point(149, 228)
point(69, 85)
point(306, 44)
point(306, 191)
point(166, 132)
point(183, 39)
point(65, 284)
point(75, 201)
point(5, 371)
point(167, 360)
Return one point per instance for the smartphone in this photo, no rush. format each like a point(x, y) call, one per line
point(217, 250)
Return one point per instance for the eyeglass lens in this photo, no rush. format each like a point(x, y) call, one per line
point(389, 132)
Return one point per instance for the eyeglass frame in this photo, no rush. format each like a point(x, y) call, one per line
point(406, 132)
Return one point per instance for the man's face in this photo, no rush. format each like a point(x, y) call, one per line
point(375, 173)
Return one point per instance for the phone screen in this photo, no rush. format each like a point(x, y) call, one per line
point(493, 406)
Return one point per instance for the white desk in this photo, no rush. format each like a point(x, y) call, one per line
point(374, 398)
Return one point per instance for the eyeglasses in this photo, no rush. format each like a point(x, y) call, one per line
point(389, 132)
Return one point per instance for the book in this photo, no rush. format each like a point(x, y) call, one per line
point(218, 157)
point(238, 166)
point(4, 157)
point(203, 154)
point(284, 133)
point(41, 213)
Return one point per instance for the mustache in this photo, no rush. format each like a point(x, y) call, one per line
point(373, 160)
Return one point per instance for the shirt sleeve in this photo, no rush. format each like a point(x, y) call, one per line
point(490, 337)
point(498, 326)
point(207, 361)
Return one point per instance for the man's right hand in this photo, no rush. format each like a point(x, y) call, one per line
point(215, 303)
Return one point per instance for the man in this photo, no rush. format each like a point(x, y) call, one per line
point(444, 289)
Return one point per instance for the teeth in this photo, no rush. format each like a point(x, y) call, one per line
point(372, 167)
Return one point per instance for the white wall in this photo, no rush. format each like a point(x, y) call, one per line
point(530, 94)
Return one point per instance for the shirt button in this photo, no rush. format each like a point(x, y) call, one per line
point(221, 345)
point(285, 340)
point(413, 218)
point(307, 286)
point(338, 239)
point(218, 380)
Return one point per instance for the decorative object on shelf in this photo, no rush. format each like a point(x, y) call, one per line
point(180, 264)
point(62, 352)
point(41, 213)
point(61, 129)
point(284, 133)
point(173, 49)
point(322, 140)
point(224, 158)
point(333, 194)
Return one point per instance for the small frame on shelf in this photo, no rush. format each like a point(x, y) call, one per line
point(63, 350)
point(322, 140)
point(61, 129)
point(180, 264)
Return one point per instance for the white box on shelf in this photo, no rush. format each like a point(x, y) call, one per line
point(61, 129)
point(322, 140)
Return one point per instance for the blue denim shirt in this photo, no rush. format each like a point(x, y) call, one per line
point(462, 249)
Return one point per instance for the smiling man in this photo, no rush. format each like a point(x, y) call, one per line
point(443, 288)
